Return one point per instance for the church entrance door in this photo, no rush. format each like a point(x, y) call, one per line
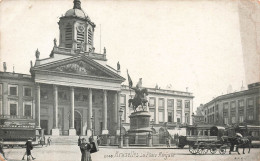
point(77, 122)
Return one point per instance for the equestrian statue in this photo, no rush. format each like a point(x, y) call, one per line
point(140, 96)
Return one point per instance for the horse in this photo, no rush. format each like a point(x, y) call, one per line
point(240, 142)
point(139, 99)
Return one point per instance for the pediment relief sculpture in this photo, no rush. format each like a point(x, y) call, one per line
point(81, 67)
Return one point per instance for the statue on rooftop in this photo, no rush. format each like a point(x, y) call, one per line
point(118, 66)
point(37, 54)
point(55, 42)
point(4, 66)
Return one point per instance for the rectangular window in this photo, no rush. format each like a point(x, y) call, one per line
point(161, 102)
point(152, 115)
point(179, 103)
point(225, 105)
point(27, 91)
point(152, 102)
point(241, 103)
point(122, 99)
point(187, 104)
point(13, 109)
point(233, 120)
point(170, 117)
point(233, 105)
point(160, 116)
point(225, 120)
point(170, 102)
point(27, 110)
point(250, 114)
point(216, 107)
point(186, 117)
point(241, 119)
point(13, 90)
point(250, 102)
point(178, 116)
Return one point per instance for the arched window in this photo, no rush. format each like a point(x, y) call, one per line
point(68, 36)
point(90, 36)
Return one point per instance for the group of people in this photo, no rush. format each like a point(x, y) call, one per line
point(87, 147)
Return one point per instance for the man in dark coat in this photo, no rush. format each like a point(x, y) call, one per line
point(29, 147)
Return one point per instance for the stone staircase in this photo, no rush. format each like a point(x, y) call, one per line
point(63, 140)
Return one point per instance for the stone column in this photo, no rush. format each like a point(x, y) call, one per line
point(165, 110)
point(182, 112)
point(245, 108)
point(38, 107)
point(72, 130)
point(118, 115)
point(115, 112)
point(191, 111)
point(55, 130)
point(174, 110)
point(89, 122)
point(156, 117)
point(104, 130)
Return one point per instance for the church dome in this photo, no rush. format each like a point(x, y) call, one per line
point(76, 13)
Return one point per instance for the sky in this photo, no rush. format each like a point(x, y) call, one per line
point(194, 44)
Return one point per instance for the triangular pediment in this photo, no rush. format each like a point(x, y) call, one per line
point(80, 67)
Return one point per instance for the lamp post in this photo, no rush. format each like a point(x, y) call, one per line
point(92, 129)
point(120, 138)
point(152, 122)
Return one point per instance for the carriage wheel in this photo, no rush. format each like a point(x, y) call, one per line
point(213, 150)
point(203, 151)
point(193, 149)
point(222, 150)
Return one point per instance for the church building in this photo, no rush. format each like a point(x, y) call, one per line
point(75, 92)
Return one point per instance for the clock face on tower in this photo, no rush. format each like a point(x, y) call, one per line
point(80, 28)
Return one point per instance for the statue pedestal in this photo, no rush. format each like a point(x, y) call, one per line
point(140, 122)
point(139, 127)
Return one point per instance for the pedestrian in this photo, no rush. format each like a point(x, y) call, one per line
point(168, 142)
point(85, 148)
point(79, 140)
point(42, 141)
point(29, 147)
point(2, 154)
point(98, 140)
point(49, 141)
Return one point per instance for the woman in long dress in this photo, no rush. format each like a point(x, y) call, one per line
point(85, 148)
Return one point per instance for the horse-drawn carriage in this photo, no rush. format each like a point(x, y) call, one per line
point(220, 139)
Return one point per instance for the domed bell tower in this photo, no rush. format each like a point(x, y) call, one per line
point(76, 30)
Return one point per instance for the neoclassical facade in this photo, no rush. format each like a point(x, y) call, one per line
point(75, 92)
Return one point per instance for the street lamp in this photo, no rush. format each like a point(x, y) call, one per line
point(120, 139)
point(92, 129)
point(152, 122)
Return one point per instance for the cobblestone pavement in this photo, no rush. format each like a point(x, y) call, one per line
point(72, 153)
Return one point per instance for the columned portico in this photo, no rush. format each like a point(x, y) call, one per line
point(115, 111)
point(89, 127)
point(104, 130)
point(72, 130)
point(118, 115)
point(38, 107)
point(55, 130)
